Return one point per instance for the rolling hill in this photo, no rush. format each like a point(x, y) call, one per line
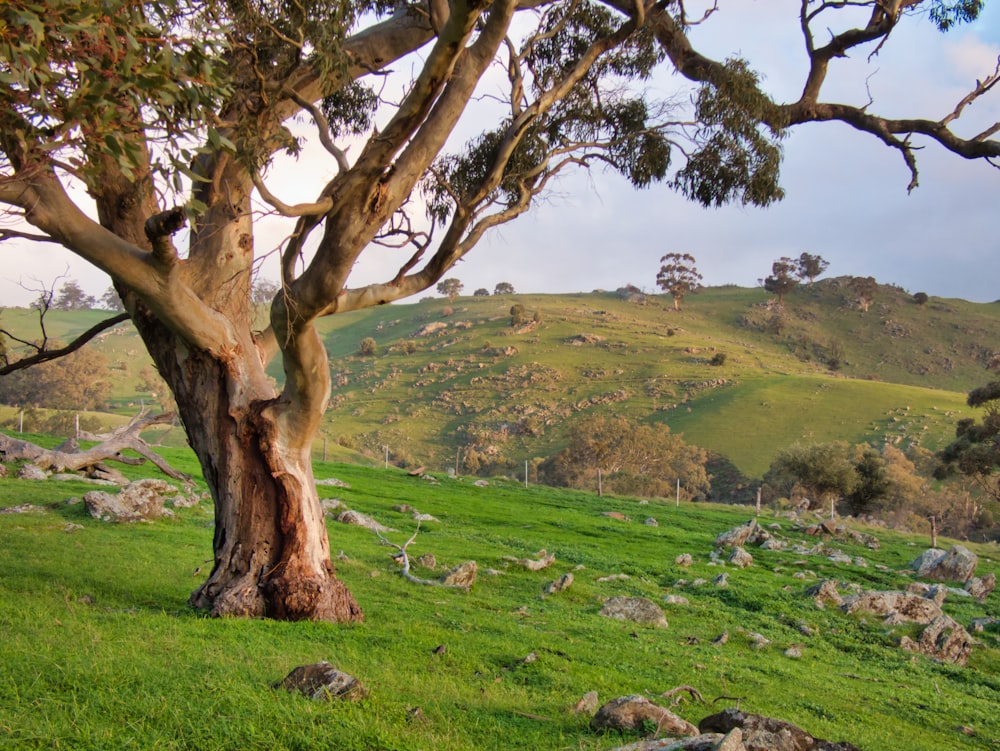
point(732, 371)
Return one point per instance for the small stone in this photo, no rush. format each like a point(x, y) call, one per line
point(321, 681)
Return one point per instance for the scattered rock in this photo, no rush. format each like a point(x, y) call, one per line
point(901, 606)
point(637, 713)
point(676, 600)
point(562, 583)
point(957, 565)
point(428, 561)
point(767, 734)
point(825, 592)
point(981, 587)
point(481, 483)
point(587, 704)
point(362, 520)
point(722, 580)
point(424, 517)
point(334, 482)
point(684, 559)
point(613, 578)
point(403, 508)
point(463, 576)
point(635, 609)
point(3, 470)
point(322, 681)
point(543, 560)
point(795, 652)
point(23, 508)
point(651, 522)
point(704, 742)
point(749, 533)
point(331, 506)
point(616, 515)
point(758, 641)
point(944, 639)
point(141, 500)
point(740, 557)
point(31, 472)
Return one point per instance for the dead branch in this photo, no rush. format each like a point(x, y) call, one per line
point(544, 560)
point(676, 693)
point(402, 556)
point(110, 447)
point(44, 355)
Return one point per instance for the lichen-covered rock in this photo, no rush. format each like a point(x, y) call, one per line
point(636, 712)
point(362, 520)
point(956, 565)
point(141, 500)
point(825, 592)
point(562, 583)
point(740, 557)
point(749, 533)
point(462, 576)
point(635, 609)
point(762, 733)
point(944, 639)
point(902, 606)
point(981, 587)
point(321, 681)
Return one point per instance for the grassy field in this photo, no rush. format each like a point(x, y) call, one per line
point(101, 651)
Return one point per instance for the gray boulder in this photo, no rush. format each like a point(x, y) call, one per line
point(462, 576)
point(944, 639)
point(138, 501)
point(636, 712)
point(956, 565)
point(981, 587)
point(362, 520)
point(750, 533)
point(900, 606)
point(321, 681)
point(740, 557)
point(31, 472)
point(635, 609)
point(766, 733)
point(562, 583)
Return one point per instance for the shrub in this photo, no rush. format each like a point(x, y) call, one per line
point(718, 359)
point(368, 347)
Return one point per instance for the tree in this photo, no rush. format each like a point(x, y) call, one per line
point(975, 452)
point(920, 298)
point(450, 288)
point(810, 266)
point(503, 288)
point(263, 291)
point(72, 297)
point(481, 292)
point(77, 381)
point(678, 276)
point(865, 288)
point(783, 278)
point(111, 301)
point(824, 471)
point(172, 113)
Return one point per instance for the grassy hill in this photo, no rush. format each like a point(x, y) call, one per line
point(445, 377)
point(100, 649)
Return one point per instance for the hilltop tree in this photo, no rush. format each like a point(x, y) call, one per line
point(450, 288)
point(122, 121)
point(783, 278)
point(865, 289)
point(481, 292)
point(503, 288)
point(810, 266)
point(678, 276)
point(111, 301)
point(72, 297)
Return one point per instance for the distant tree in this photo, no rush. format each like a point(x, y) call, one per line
point(810, 266)
point(783, 277)
point(518, 314)
point(821, 472)
point(633, 459)
point(678, 276)
point(111, 301)
point(872, 485)
point(263, 291)
point(368, 347)
point(866, 289)
point(718, 359)
point(72, 297)
point(503, 288)
point(77, 381)
point(481, 292)
point(920, 298)
point(450, 288)
point(975, 452)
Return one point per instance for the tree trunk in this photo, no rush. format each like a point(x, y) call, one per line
point(271, 549)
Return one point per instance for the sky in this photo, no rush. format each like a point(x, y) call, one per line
point(846, 197)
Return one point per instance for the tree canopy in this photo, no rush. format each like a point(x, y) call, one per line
point(144, 137)
point(678, 276)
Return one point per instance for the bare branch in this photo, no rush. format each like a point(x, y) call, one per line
point(317, 208)
point(402, 556)
point(44, 355)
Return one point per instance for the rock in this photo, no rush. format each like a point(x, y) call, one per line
point(613, 578)
point(901, 606)
point(758, 641)
point(676, 600)
point(23, 508)
point(740, 557)
point(981, 587)
point(957, 565)
point(794, 652)
point(722, 580)
point(638, 713)
point(587, 704)
point(825, 592)
point(562, 583)
point(767, 734)
point(428, 561)
point(749, 533)
point(141, 500)
point(403, 508)
point(481, 483)
point(616, 515)
point(772, 544)
point(184, 500)
point(544, 560)
point(635, 609)
point(684, 560)
point(651, 522)
point(424, 517)
point(944, 639)
point(333, 482)
point(463, 576)
point(322, 681)
point(331, 505)
point(31, 472)
point(362, 520)
point(837, 556)
point(3, 470)
point(704, 742)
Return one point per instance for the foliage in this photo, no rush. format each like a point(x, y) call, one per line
point(811, 266)
point(77, 381)
point(503, 288)
point(111, 301)
point(636, 459)
point(865, 288)
point(368, 347)
point(481, 292)
point(822, 471)
point(920, 298)
point(783, 278)
point(975, 452)
point(450, 288)
point(72, 297)
point(263, 291)
point(678, 276)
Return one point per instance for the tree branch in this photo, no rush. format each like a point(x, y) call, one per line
point(52, 354)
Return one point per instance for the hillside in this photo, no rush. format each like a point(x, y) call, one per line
point(445, 378)
point(101, 651)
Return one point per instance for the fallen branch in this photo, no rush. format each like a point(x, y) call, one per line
point(544, 560)
point(675, 693)
point(405, 558)
point(110, 447)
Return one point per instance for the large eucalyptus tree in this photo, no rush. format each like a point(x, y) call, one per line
point(123, 121)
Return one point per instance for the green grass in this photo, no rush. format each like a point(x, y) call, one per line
point(100, 649)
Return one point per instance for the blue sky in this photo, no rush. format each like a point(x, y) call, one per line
point(846, 193)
